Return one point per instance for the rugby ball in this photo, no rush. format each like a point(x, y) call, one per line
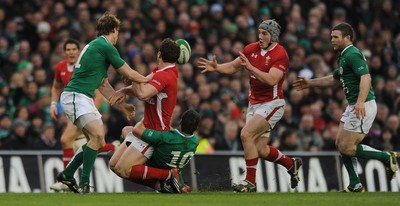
point(186, 51)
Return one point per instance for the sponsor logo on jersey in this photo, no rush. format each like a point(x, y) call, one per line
point(361, 68)
point(63, 73)
point(282, 67)
point(254, 55)
point(340, 70)
point(267, 60)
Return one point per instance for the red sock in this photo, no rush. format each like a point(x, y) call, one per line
point(108, 147)
point(145, 173)
point(68, 153)
point(276, 156)
point(251, 168)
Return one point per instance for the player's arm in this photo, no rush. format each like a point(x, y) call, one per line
point(213, 66)
point(107, 91)
point(271, 78)
point(142, 91)
point(131, 74)
point(150, 136)
point(138, 129)
point(304, 83)
point(98, 98)
point(365, 85)
point(56, 89)
point(359, 65)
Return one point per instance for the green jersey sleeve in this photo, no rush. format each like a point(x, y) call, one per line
point(357, 62)
point(151, 136)
point(112, 56)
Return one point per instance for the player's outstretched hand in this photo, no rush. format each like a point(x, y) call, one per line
point(207, 65)
point(117, 98)
point(126, 81)
point(301, 83)
point(129, 110)
point(245, 61)
point(53, 112)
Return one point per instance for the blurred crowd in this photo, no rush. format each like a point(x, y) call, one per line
point(32, 34)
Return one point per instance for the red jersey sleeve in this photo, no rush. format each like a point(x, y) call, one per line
point(282, 63)
point(57, 71)
point(248, 49)
point(159, 81)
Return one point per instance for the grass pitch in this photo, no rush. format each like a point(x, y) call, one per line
point(200, 199)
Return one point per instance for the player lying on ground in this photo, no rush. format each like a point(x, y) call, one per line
point(173, 149)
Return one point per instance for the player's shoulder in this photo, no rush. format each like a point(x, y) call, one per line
point(280, 52)
point(252, 47)
point(195, 139)
point(61, 64)
point(100, 42)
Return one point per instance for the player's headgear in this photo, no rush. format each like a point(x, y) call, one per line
point(272, 27)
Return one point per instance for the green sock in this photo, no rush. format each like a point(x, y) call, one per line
point(367, 152)
point(351, 166)
point(76, 161)
point(89, 156)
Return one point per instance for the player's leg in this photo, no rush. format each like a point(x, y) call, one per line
point(255, 127)
point(130, 158)
point(68, 138)
point(346, 143)
point(272, 112)
point(94, 131)
point(81, 110)
point(353, 131)
point(122, 147)
point(71, 132)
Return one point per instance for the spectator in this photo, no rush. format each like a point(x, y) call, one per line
point(289, 140)
point(19, 139)
point(307, 135)
point(47, 140)
point(230, 141)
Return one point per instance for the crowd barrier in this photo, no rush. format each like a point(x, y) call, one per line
point(35, 171)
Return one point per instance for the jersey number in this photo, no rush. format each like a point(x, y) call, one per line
point(78, 65)
point(179, 161)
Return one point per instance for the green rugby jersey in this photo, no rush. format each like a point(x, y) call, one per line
point(352, 65)
point(92, 66)
point(171, 148)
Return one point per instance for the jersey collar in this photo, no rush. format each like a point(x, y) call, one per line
point(341, 53)
point(104, 38)
point(165, 68)
point(264, 51)
point(183, 134)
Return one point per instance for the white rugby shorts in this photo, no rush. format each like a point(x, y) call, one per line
point(362, 125)
point(272, 111)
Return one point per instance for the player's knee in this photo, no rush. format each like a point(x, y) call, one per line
point(126, 130)
point(345, 149)
point(66, 140)
point(245, 135)
point(120, 170)
point(97, 137)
